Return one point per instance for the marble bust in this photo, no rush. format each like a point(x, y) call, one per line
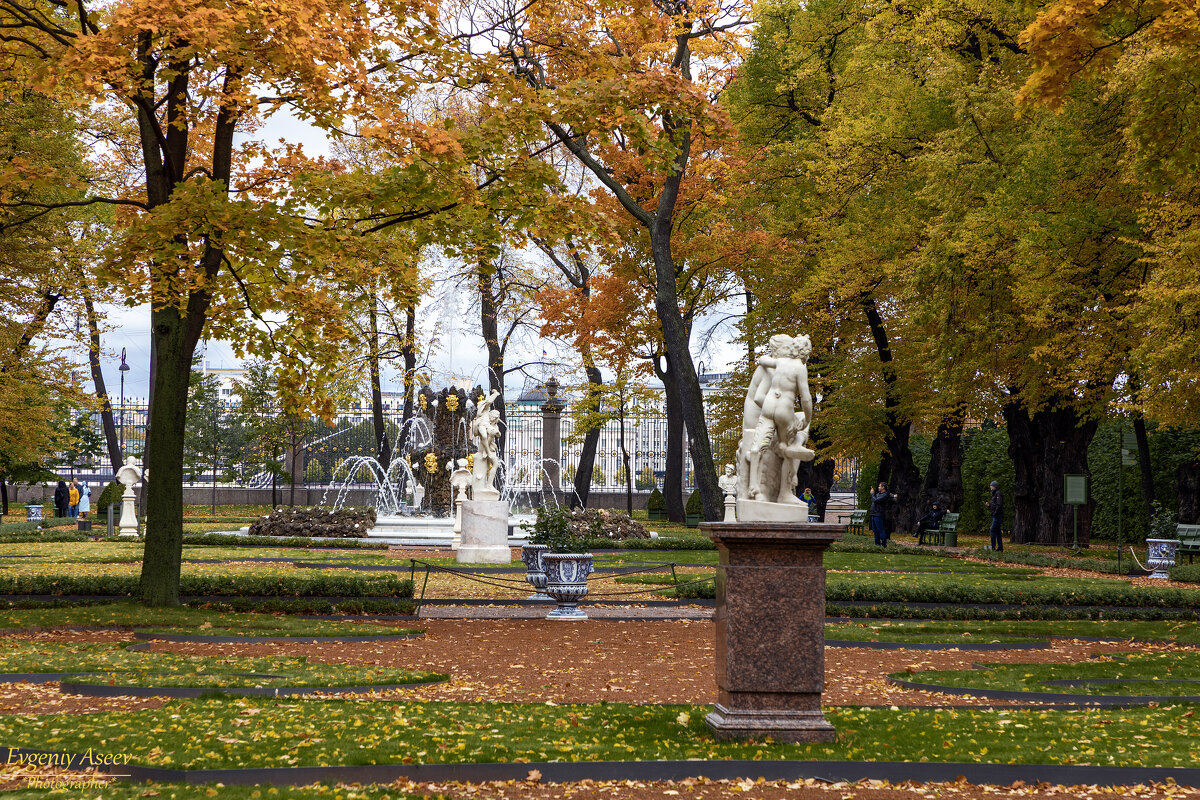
point(728, 482)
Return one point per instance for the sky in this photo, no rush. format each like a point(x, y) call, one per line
point(460, 356)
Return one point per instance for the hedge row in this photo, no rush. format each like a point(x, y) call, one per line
point(1059, 562)
point(373, 606)
point(899, 611)
point(228, 539)
point(302, 585)
point(958, 590)
point(1188, 573)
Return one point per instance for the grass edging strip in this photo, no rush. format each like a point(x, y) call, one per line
point(563, 772)
point(186, 637)
point(191, 692)
point(1044, 644)
point(1112, 700)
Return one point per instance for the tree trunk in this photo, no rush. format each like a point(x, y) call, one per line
point(673, 477)
point(683, 371)
point(628, 466)
point(3, 497)
point(943, 480)
point(408, 351)
point(591, 440)
point(489, 326)
point(174, 340)
point(896, 466)
point(383, 450)
point(1187, 487)
point(33, 328)
point(1045, 447)
point(1145, 468)
point(106, 411)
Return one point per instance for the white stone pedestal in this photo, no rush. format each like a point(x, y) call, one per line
point(730, 508)
point(128, 526)
point(484, 533)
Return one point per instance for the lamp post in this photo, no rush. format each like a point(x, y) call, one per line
point(123, 369)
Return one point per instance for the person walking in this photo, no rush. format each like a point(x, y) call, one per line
point(85, 500)
point(995, 507)
point(880, 500)
point(62, 499)
point(808, 498)
point(73, 499)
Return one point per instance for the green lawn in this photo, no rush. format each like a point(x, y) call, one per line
point(1165, 674)
point(252, 732)
point(114, 664)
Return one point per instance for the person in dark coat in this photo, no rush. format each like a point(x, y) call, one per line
point(995, 507)
point(880, 500)
point(62, 499)
point(932, 520)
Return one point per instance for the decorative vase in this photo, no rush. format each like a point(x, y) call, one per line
point(1160, 556)
point(566, 582)
point(535, 573)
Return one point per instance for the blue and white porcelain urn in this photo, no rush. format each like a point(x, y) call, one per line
point(566, 582)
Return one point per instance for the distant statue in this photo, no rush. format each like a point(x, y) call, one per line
point(774, 434)
point(728, 482)
point(485, 430)
point(127, 476)
point(460, 484)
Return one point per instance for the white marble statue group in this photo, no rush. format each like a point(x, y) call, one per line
point(774, 433)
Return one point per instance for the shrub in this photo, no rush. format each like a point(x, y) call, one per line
point(694, 505)
point(110, 496)
point(656, 501)
point(345, 523)
point(575, 530)
point(553, 529)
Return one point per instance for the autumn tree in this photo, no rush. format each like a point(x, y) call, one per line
point(628, 91)
point(978, 257)
point(222, 230)
point(1148, 54)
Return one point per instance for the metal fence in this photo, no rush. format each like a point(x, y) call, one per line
point(232, 451)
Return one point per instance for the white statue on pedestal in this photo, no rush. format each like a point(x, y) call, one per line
point(485, 430)
point(127, 476)
point(729, 486)
point(774, 433)
point(460, 485)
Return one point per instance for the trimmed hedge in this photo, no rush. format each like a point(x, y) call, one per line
point(301, 585)
point(1188, 573)
point(1031, 593)
point(1058, 562)
point(368, 606)
point(228, 539)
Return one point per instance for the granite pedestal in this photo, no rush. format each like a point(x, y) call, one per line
point(484, 533)
point(770, 623)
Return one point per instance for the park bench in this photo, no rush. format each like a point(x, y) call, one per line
point(946, 533)
point(1189, 540)
point(858, 522)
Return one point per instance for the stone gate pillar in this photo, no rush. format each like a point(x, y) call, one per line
point(551, 438)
